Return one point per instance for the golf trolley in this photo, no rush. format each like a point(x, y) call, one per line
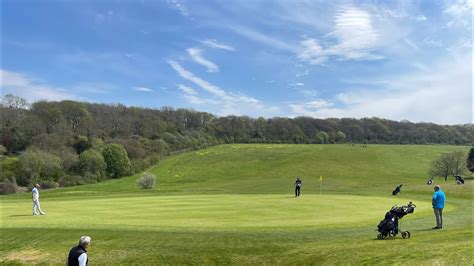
point(389, 226)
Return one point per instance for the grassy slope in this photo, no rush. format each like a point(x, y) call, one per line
point(208, 207)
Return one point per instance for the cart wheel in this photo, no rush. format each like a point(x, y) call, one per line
point(379, 237)
point(406, 234)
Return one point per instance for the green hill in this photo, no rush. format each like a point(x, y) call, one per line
point(234, 204)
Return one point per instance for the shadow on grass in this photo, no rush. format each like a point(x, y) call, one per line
point(20, 215)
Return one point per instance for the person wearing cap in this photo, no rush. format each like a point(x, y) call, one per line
point(36, 203)
point(438, 204)
point(78, 254)
point(298, 184)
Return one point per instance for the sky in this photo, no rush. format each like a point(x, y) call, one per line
point(398, 60)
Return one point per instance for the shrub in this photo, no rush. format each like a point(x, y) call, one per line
point(38, 165)
point(147, 181)
point(117, 160)
point(8, 187)
point(91, 162)
point(46, 184)
point(8, 167)
point(72, 180)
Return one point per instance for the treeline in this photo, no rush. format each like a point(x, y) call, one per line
point(68, 143)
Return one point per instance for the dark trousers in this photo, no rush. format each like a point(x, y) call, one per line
point(439, 217)
point(297, 191)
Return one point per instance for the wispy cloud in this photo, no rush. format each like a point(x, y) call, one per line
point(421, 96)
point(212, 43)
point(225, 102)
point(31, 89)
point(192, 97)
point(264, 38)
point(187, 90)
point(297, 84)
point(179, 6)
point(421, 18)
point(144, 89)
point(196, 55)
point(459, 12)
point(353, 37)
point(309, 108)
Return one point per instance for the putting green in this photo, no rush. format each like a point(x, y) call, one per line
point(207, 212)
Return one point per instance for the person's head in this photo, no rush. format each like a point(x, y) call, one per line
point(401, 185)
point(437, 187)
point(298, 178)
point(37, 185)
point(85, 241)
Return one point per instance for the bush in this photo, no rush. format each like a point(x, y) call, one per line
point(117, 160)
point(72, 180)
point(38, 165)
point(147, 181)
point(8, 187)
point(91, 162)
point(46, 184)
point(8, 167)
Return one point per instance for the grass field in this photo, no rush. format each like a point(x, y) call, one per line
point(234, 204)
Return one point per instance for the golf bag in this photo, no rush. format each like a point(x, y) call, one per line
point(459, 180)
point(389, 226)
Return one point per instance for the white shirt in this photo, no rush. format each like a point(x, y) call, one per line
point(35, 193)
point(83, 259)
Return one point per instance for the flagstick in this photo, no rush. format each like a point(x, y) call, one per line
point(320, 187)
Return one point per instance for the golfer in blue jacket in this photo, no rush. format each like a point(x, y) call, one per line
point(438, 205)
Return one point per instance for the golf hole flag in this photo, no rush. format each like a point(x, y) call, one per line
point(320, 185)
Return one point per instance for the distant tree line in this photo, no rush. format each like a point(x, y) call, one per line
point(69, 142)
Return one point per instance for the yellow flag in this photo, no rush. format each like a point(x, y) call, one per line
point(321, 179)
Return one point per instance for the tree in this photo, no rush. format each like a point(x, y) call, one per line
point(92, 162)
point(13, 111)
point(117, 160)
point(470, 160)
point(35, 165)
point(322, 137)
point(448, 164)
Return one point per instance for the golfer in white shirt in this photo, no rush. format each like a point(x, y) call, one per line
point(36, 203)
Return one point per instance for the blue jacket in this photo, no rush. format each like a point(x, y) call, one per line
point(438, 199)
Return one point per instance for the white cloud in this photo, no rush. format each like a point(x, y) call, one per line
point(421, 18)
point(442, 94)
point(354, 39)
point(297, 84)
point(355, 34)
point(197, 80)
point(196, 55)
point(432, 43)
point(264, 39)
point(304, 73)
point(144, 89)
point(31, 89)
point(186, 90)
point(223, 102)
point(179, 6)
point(310, 108)
point(212, 43)
point(459, 13)
point(311, 52)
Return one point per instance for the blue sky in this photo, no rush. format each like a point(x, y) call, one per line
point(392, 59)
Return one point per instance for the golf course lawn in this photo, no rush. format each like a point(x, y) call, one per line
point(234, 204)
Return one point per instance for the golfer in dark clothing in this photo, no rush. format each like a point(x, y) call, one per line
point(78, 254)
point(298, 187)
point(397, 189)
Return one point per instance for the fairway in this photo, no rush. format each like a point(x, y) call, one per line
point(234, 204)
